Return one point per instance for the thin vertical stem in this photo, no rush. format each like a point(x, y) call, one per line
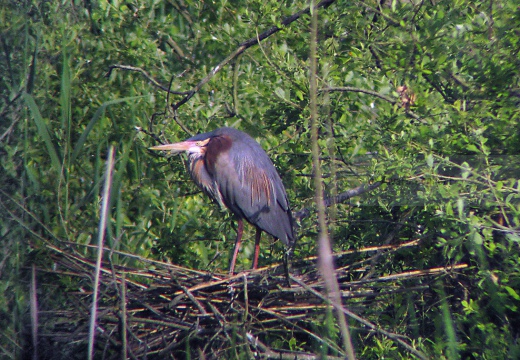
point(124, 342)
point(101, 237)
point(325, 261)
point(34, 313)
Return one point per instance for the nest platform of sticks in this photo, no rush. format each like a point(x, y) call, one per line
point(163, 311)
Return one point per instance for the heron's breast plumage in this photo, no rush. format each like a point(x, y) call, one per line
point(204, 180)
point(235, 171)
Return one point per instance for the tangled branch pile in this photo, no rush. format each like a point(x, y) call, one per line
point(165, 311)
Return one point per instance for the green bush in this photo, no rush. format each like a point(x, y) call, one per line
point(421, 96)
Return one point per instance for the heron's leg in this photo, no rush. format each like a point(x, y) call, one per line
point(237, 246)
point(257, 247)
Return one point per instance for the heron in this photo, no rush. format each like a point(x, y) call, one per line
point(231, 168)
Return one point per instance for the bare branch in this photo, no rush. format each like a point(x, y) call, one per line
point(146, 75)
point(177, 50)
point(243, 47)
point(373, 93)
point(9, 129)
point(344, 196)
point(364, 91)
point(340, 198)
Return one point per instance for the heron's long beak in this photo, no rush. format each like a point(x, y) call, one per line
point(175, 148)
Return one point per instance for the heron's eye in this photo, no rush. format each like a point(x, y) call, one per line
point(202, 143)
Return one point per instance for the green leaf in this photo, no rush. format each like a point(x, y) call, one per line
point(460, 208)
point(466, 170)
point(429, 160)
point(280, 92)
point(97, 115)
point(477, 238)
point(512, 292)
point(44, 132)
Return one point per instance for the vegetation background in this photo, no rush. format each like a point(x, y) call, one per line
point(421, 97)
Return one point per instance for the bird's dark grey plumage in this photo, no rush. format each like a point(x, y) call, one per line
point(234, 170)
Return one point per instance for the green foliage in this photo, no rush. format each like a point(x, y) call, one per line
point(431, 111)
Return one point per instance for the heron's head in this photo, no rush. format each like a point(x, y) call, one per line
point(193, 147)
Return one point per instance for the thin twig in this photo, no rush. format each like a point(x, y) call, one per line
point(412, 273)
point(373, 93)
point(194, 300)
point(146, 75)
point(9, 129)
point(101, 237)
point(340, 198)
point(359, 90)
